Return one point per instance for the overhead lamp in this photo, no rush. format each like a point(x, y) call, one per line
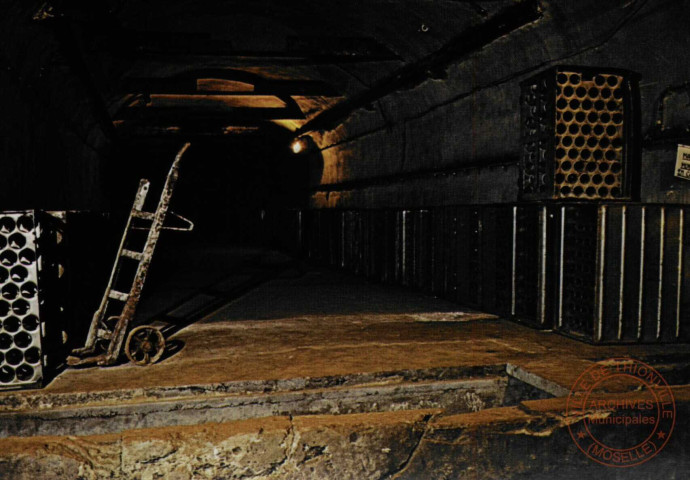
point(298, 146)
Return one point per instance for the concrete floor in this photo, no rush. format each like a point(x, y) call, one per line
point(297, 321)
point(292, 337)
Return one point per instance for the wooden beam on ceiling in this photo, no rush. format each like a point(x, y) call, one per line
point(214, 102)
point(173, 116)
point(200, 127)
point(193, 85)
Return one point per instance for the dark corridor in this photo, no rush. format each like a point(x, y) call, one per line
point(417, 224)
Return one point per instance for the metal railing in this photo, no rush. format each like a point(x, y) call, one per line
point(610, 272)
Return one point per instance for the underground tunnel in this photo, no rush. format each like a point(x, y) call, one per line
point(395, 239)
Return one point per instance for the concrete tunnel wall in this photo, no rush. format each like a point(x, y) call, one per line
point(52, 146)
point(449, 140)
point(456, 140)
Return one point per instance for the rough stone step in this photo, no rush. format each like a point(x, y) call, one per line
point(450, 396)
point(37, 400)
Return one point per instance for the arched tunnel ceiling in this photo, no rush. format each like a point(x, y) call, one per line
point(216, 67)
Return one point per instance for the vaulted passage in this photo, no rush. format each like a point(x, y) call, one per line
point(383, 239)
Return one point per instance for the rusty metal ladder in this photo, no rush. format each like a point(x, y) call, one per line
point(112, 329)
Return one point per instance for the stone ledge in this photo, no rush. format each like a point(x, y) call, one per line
point(506, 442)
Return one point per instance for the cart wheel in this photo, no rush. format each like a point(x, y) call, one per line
point(145, 345)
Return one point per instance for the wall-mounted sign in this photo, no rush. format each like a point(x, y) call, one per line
point(683, 162)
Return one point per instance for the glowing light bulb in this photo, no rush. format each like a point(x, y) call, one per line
point(297, 146)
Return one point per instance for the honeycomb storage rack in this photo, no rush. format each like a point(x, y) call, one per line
point(29, 312)
point(579, 134)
